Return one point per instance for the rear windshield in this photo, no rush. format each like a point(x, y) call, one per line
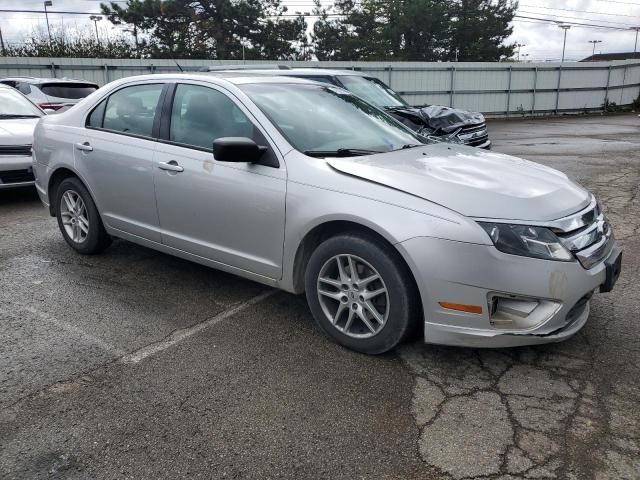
point(68, 90)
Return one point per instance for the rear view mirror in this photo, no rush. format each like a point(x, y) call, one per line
point(237, 149)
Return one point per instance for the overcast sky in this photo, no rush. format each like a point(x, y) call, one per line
point(542, 41)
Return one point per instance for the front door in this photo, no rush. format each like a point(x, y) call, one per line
point(116, 159)
point(231, 213)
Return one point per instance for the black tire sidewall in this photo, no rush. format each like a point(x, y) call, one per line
point(388, 264)
point(96, 240)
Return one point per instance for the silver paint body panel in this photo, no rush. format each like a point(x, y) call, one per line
point(251, 219)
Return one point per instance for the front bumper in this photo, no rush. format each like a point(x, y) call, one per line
point(471, 274)
point(16, 171)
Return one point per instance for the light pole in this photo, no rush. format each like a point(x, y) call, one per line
point(635, 46)
point(594, 46)
point(564, 43)
point(518, 46)
point(48, 3)
point(96, 19)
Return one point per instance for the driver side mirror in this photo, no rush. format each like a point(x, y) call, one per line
point(238, 149)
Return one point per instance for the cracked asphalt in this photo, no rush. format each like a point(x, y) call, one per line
point(135, 364)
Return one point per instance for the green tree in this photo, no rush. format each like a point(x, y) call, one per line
point(420, 30)
point(212, 28)
point(64, 43)
point(479, 29)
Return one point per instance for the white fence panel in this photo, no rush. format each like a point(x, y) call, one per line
point(491, 88)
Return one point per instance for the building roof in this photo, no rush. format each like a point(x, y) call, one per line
point(605, 57)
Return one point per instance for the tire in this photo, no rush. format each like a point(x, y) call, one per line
point(80, 222)
point(397, 306)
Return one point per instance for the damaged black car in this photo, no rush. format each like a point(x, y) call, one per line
point(433, 121)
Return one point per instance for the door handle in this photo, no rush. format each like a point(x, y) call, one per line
point(84, 147)
point(171, 166)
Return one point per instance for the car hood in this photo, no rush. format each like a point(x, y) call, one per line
point(18, 131)
point(436, 117)
point(473, 182)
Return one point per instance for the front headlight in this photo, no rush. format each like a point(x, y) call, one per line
point(528, 241)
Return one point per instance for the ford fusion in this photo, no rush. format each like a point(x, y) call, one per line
point(308, 188)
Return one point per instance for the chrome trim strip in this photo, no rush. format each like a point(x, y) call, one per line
point(584, 237)
point(577, 220)
point(589, 257)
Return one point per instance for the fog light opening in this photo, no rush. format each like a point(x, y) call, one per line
point(520, 313)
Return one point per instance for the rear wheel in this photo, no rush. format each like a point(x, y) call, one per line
point(78, 218)
point(360, 293)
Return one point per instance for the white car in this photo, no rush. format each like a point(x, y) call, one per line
point(18, 118)
point(55, 94)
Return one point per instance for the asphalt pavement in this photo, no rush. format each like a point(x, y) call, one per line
point(136, 364)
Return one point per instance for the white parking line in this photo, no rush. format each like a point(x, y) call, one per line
point(182, 334)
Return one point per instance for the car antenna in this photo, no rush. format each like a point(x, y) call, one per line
point(178, 65)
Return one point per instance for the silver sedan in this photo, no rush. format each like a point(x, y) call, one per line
point(306, 187)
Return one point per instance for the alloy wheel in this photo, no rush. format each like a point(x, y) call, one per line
point(353, 296)
point(74, 216)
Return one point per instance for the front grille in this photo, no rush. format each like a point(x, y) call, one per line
point(589, 236)
point(474, 135)
point(17, 176)
point(15, 150)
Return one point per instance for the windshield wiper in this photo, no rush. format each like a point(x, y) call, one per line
point(341, 152)
point(411, 145)
point(9, 115)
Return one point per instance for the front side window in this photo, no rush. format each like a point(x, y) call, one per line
point(372, 90)
point(14, 105)
point(132, 110)
point(202, 114)
point(316, 118)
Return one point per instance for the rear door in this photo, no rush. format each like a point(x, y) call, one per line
point(116, 158)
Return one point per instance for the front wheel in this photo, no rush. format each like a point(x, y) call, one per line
point(78, 218)
point(360, 293)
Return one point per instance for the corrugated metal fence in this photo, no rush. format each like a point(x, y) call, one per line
point(491, 88)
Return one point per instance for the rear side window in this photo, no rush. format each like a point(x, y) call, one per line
point(24, 88)
point(131, 110)
point(68, 90)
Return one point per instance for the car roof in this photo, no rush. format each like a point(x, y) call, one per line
point(39, 80)
point(295, 72)
point(238, 77)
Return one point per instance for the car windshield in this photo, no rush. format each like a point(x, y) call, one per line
point(372, 90)
point(329, 121)
point(14, 105)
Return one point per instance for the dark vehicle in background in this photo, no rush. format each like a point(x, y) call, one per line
point(445, 123)
point(56, 94)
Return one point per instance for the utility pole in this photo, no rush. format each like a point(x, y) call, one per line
point(518, 45)
point(635, 46)
point(564, 43)
point(48, 3)
point(594, 46)
point(2, 43)
point(96, 19)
